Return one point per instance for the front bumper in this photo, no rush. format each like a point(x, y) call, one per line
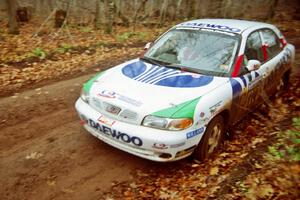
point(149, 143)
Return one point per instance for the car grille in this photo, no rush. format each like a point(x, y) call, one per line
point(127, 114)
point(114, 111)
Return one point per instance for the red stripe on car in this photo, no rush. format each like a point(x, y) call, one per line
point(265, 53)
point(283, 42)
point(237, 65)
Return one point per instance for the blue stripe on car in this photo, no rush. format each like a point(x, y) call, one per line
point(134, 69)
point(185, 81)
point(163, 76)
point(236, 87)
point(244, 81)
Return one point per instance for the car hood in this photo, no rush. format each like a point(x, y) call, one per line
point(144, 89)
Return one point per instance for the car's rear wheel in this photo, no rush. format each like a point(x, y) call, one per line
point(211, 140)
point(284, 84)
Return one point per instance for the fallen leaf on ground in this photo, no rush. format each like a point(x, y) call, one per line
point(214, 171)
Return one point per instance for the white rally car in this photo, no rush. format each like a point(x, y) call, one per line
point(191, 86)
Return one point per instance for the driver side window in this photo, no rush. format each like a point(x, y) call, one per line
point(253, 50)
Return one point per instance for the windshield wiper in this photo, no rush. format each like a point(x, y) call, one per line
point(182, 68)
point(169, 65)
point(152, 61)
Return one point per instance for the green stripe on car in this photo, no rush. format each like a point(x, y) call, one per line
point(87, 86)
point(183, 110)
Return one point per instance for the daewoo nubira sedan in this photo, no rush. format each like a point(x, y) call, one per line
point(190, 87)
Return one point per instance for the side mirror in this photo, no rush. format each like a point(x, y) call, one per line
point(148, 45)
point(253, 65)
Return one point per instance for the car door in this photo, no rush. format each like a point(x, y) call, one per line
point(273, 53)
point(249, 83)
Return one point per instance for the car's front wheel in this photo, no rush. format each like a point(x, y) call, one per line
point(211, 140)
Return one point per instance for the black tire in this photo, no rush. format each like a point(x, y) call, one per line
point(286, 80)
point(283, 85)
point(215, 131)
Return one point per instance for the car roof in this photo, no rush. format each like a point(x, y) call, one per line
point(228, 25)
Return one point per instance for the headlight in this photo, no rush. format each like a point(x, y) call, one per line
point(84, 95)
point(167, 123)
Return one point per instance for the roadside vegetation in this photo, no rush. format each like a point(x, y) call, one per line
point(261, 161)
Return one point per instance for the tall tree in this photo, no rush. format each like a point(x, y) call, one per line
point(139, 9)
point(97, 15)
point(272, 9)
point(13, 27)
point(119, 13)
point(191, 8)
point(163, 12)
point(177, 10)
point(110, 15)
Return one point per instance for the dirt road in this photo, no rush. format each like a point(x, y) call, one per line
point(46, 154)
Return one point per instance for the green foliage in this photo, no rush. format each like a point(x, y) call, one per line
point(294, 153)
point(275, 152)
point(64, 48)
point(296, 123)
point(101, 43)
point(139, 36)
point(288, 145)
point(38, 52)
point(86, 29)
point(142, 36)
point(124, 37)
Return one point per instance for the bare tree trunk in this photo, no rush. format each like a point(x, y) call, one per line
point(178, 4)
point(272, 9)
point(139, 9)
point(163, 12)
point(12, 21)
point(52, 5)
point(42, 7)
point(149, 12)
point(136, 5)
point(142, 9)
point(118, 12)
point(97, 15)
point(110, 16)
point(191, 10)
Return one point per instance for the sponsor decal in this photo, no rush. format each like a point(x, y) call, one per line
point(203, 120)
point(112, 109)
point(163, 76)
point(107, 94)
point(286, 58)
point(202, 114)
point(253, 83)
point(160, 146)
point(214, 108)
point(106, 120)
point(166, 146)
point(123, 137)
point(194, 133)
point(112, 95)
point(211, 26)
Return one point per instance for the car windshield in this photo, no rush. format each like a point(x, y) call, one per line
point(203, 51)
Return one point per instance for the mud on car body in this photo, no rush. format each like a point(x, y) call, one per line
point(192, 84)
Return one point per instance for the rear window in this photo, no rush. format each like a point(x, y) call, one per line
point(272, 42)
